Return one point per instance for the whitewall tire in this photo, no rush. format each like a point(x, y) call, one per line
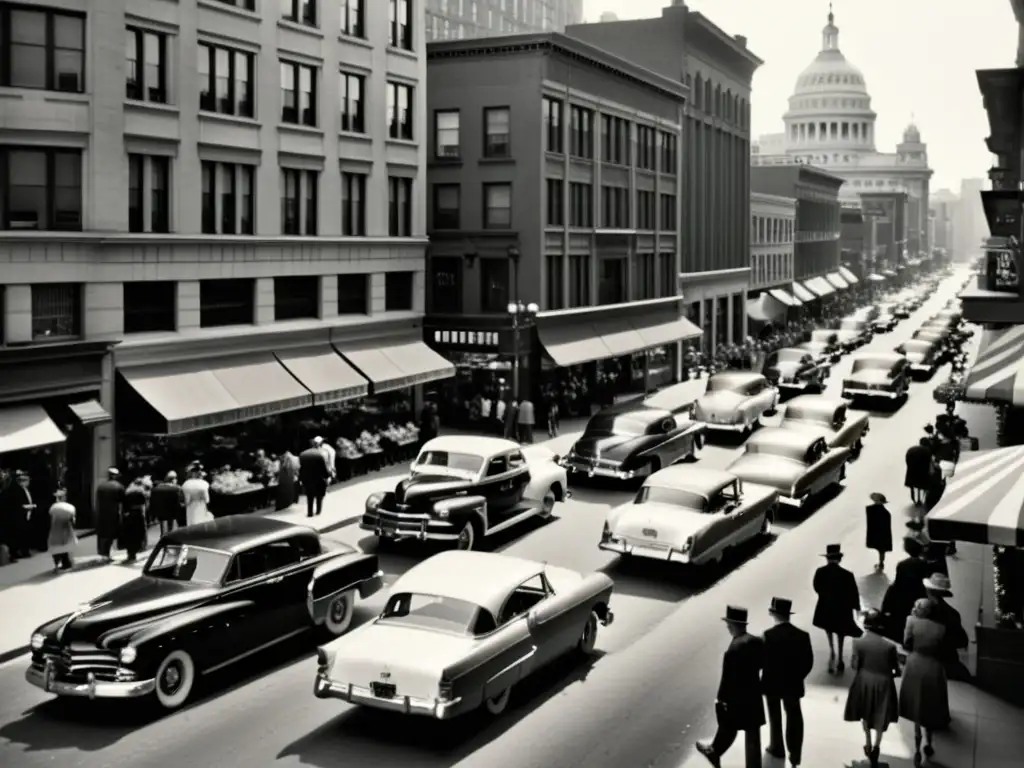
point(547, 504)
point(175, 678)
point(339, 614)
point(467, 537)
point(498, 704)
point(588, 637)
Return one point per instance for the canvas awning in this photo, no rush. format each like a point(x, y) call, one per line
point(785, 297)
point(573, 344)
point(984, 500)
point(848, 276)
point(325, 373)
point(582, 342)
point(995, 375)
point(836, 280)
point(765, 309)
point(819, 286)
point(90, 413)
point(397, 364)
point(27, 426)
point(802, 293)
point(874, 277)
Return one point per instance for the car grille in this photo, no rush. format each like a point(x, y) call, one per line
point(76, 662)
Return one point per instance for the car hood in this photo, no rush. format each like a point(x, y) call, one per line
point(763, 469)
point(717, 402)
point(604, 446)
point(673, 524)
point(425, 485)
point(869, 377)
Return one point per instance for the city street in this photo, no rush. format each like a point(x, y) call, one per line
point(643, 702)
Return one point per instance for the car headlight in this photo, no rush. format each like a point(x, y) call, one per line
point(373, 502)
point(37, 641)
point(128, 654)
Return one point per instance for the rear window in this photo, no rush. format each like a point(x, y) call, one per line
point(796, 452)
point(623, 426)
point(871, 364)
point(446, 614)
point(674, 497)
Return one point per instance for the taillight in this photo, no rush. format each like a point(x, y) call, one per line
point(688, 544)
point(444, 691)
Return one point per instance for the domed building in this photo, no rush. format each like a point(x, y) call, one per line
point(830, 124)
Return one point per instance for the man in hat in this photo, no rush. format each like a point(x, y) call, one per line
point(109, 506)
point(330, 457)
point(739, 706)
point(788, 659)
point(17, 508)
point(167, 503)
point(937, 587)
point(314, 476)
point(838, 601)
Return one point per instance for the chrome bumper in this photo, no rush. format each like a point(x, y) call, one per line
point(665, 555)
point(921, 368)
point(722, 427)
point(46, 679)
point(325, 688)
point(883, 393)
point(793, 501)
point(420, 528)
point(580, 467)
point(798, 385)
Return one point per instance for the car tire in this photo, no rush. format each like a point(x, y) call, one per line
point(175, 678)
point(498, 704)
point(339, 614)
point(547, 503)
point(766, 525)
point(588, 636)
point(468, 535)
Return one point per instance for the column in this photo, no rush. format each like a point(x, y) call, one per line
point(188, 304)
point(17, 308)
point(377, 293)
point(102, 310)
point(744, 320)
point(264, 301)
point(103, 442)
point(329, 296)
point(730, 332)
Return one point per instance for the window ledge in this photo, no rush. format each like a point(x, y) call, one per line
point(444, 162)
point(362, 42)
point(352, 135)
point(405, 54)
point(220, 117)
point(560, 156)
point(152, 106)
point(497, 160)
point(402, 142)
point(308, 130)
point(232, 10)
point(302, 29)
point(7, 92)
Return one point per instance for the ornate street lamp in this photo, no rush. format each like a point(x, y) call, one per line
point(522, 315)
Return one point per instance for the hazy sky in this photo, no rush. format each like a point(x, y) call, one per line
point(918, 57)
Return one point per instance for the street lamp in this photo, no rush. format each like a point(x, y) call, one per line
point(522, 315)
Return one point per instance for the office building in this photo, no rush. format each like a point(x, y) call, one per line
point(462, 19)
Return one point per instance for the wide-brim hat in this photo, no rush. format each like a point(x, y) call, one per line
point(780, 606)
point(879, 498)
point(833, 552)
point(735, 615)
point(938, 582)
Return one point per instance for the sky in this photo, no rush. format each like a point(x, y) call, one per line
point(917, 60)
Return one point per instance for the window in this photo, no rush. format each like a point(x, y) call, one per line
point(296, 298)
point(226, 80)
point(399, 206)
point(669, 152)
point(446, 133)
point(667, 270)
point(152, 173)
point(553, 140)
point(611, 282)
point(579, 280)
point(229, 202)
point(245, 5)
point(646, 210)
point(226, 302)
point(445, 285)
point(299, 11)
point(581, 204)
point(446, 206)
point(146, 60)
point(41, 188)
point(400, 111)
point(495, 285)
point(298, 94)
point(353, 18)
point(353, 294)
point(581, 132)
point(668, 212)
point(42, 49)
point(614, 140)
point(398, 291)
point(645, 279)
point(555, 201)
point(646, 149)
point(497, 206)
point(353, 204)
point(614, 207)
point(150, 306)
point(299, 202)
point(56, 311)
point(352, 90)
point(496, 132)
point(555, 281)
point(400, 24)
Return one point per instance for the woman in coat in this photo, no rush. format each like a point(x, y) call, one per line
point(838, 601)
point(879, 528)
point(924, 696)
point(133, 534)
point(197, 496)
point(62, 539)
point(872, 699)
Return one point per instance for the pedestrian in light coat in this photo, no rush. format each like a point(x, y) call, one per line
point(62, 539)
point(527, 421)
point(788, 659)
point(109, 503)
point(838, 601)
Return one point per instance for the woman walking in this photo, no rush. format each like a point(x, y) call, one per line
point(879, 529)
point(133, 533)
point(62, 539)
point(872, 699)
point(924, 696)
point(838, 600)
point(197, 496)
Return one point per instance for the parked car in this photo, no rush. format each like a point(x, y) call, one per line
point(878, 375)
point(830, 339)
point(827, 417)
point(903, 310)
point(735, 401)
point(797, 464)
point(210, 595)
point(792, 368)
point(823, 355)
point(460, 630)
point(462, 488)
point(923, 353)
point(933, 333)
point(689, 515)
point(635, 439)
point(853, 332)
point(885, 322)
point(952, 313)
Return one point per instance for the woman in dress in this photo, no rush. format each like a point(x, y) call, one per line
point(838, 601)
point(879, 528)
point(197, 496)
point(62, 539)
point(872, 699)
point(924, 696)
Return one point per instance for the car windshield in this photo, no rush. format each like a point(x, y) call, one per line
point(673, 497)
point(181, 562)
point(621, 425)
point(445, 614)
point(871, 364)
point(852, 325)
point(916, 347)
point(448, 463)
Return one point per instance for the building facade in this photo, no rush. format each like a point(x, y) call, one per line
point(772, 235)
point(579, 218)
point(223, 196)
point(461, 19)
point(717, 68)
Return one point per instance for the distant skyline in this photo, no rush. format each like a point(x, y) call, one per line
point(918, 64)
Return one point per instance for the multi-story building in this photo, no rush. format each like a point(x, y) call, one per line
point(944, 207)
point(772, 233)
point(717, 68)
point(460, 19)
point(227, 195)
point(579, 218)
point(970, 227)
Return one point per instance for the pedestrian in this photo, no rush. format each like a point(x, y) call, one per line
point(510, 424)
point(18, 506)
point(62, 538)
point(879, 528)
point(937, 589)
point(109, 503)
point(739, 706)
point(924, 693)
point(428, 423)
point(788, 659)
point(838, 600)
point(527, 419)
point(196, 492)
point(906, 588)
point(167, 503)
point(132, 533)
point(330, 457)
point(314, 476)
point(872, 699)
point(920, 468)
point(286, 492)
point(552, 415)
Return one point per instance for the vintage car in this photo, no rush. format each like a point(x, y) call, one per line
point(885, 322)
point(797, 464)
point(735, 401)
point(830, 339)
point(635, 438)
point(869, 313)
point(689, 515)
point(878, 375)
point(935, 333)
point(951, 313)
point(209, 596)
point(902, 310)
point(823, 354)
point(462, 488)
point(460, 630)
point(827, 417)
point(792, 368)
point(853, 332)
point(923, 353)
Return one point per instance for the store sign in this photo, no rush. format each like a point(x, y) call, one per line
point(1002, 273)
point(455, 338)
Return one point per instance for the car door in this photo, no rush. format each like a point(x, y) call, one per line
point(727, 525)
point(556, 619)
point(271, 576)
point(519, 469)
point(763, 395)
point(500, 487)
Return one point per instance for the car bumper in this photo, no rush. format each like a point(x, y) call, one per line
point(401, 526)
point(663, 554)
point(798, 386)
point(325, 688)
point(47, 679)
point(721, 426)
point(884, 394)
point(921, 367)
point(579, 467)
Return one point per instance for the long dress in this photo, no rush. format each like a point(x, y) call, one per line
point(197, 501)
point(62, 539)
point(924, 694)
point(872, 698)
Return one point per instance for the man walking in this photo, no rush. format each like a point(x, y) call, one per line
point(788, 659)
point(314, 476)
point(109, 506)
point(167, 503)
point(739, 706)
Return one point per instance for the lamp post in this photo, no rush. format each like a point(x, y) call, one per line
point(521, 314)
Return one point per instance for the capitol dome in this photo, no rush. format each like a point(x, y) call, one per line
point(830, 72)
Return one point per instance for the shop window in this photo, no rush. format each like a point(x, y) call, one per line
point(611, 284)
point(353, 204)
point(399, 206)
point(41, 188)
point(446, 206)
point(353, 294)
point(495, 285)
point(296, 298)
point(150, 306)
point(226, 302)
point(579, 280)
point(446, 134)
point(445, 285)
point(555, 280)
point(226, 78)
point(497, 141)
point(398, 291)
point(56, 311)
point(42, 49)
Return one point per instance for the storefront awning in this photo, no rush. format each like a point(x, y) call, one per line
point(325, 373)
point(848, 276)
point(801, 292)
point(397, 364)
point(90, 413)
point(836, 280)
point(620, 336)
point(582, 342)
point(765, 309)
point(984, 501)
point(996, 375)
point(819, 286)
point(660, 334)
point(785, 297)
point(27, 426)
point(874, 277)
point(200, 394)
point(573, 344)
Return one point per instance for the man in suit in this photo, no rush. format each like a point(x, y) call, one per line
point(788, 659)
point(18, 506)
point(167, 503)
point(109, 506)
point(314, 476)
point(739, 706)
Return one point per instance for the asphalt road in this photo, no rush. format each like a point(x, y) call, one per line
point(642, 702)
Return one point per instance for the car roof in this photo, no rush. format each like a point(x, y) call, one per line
point(820, 403)
point(476, 445)
point(691, 478)
point(881, 357)
point(782, 436)
point(484, 579)
point(235, 533)
point(738, 378)
point(635, 406)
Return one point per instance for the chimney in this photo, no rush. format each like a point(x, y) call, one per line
point(741, 39)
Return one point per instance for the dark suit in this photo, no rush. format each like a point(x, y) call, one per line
point(109, 502)
point(167, 505)
point(739, 706)
point(16, 519)
point(906, 588)
point(314, 476)
point(788, 659)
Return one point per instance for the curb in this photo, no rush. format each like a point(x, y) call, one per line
point(15, 653)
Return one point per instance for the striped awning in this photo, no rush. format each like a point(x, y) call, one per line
point(994, 377)
point(984, 500)
point(782, 295)
point(848, 276)
point(820, 286)
point(765, 309)
point(837, 281)
point(802, 293)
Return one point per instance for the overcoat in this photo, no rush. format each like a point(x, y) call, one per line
point(838, 598)
point(109, 500)
point(740, 686)
point(788, 659)
point(879, 528)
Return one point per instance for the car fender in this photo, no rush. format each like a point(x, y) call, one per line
point(178, 624)
point(342, 573)
point(463, 508)
point(543, 475)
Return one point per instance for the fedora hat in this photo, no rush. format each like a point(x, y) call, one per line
point(833, 552)
point(735, 615)
point(937, 582)
point(781, 606)
point(879, 498)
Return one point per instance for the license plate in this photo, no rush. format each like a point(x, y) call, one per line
point(383, 690)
